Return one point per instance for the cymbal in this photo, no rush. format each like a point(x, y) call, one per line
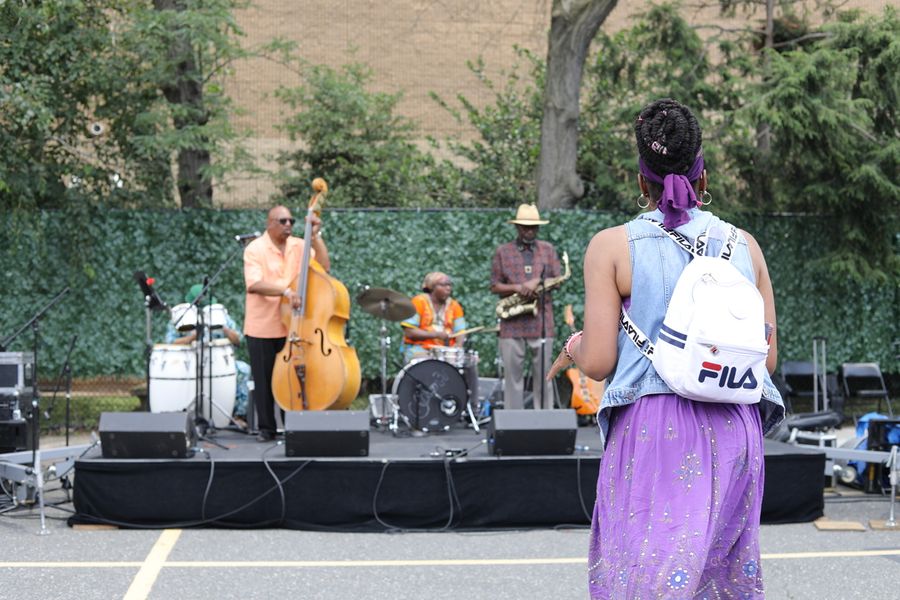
point(386, 304)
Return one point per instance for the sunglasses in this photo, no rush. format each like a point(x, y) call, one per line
point(287, 220)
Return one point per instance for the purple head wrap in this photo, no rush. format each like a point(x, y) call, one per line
point(678, 193)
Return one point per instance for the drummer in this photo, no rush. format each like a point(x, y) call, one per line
point(438, 317)
point(229, 330)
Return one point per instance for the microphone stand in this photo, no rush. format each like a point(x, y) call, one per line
point(67, 371)
point(207, 287)
point(201, 425)
point(35, 401)
point(543, 334)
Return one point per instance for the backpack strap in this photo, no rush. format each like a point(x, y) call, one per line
point(698, 248)
point(682, 242)
point(640, 339)
point(730, 243)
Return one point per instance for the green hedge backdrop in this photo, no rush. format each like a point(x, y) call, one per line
point(95, 253)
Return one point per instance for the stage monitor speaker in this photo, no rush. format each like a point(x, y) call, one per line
point(515, 432)
point(326, 433)
point(146, 435)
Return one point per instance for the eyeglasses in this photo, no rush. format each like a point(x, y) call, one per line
point(286, 220)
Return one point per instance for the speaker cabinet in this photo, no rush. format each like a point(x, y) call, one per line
point(15, 435)
point(146, 435)
point(532, 432)
point(326, 433)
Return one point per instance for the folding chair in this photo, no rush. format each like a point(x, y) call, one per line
point(800, 379)
point(865, 381)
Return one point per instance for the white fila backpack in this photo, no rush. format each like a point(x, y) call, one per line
point(712, 345)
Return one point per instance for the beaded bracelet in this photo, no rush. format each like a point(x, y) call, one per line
point(568, 345)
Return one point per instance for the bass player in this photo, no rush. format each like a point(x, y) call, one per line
point(271, 264)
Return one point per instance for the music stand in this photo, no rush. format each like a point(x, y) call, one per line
point(152, 302)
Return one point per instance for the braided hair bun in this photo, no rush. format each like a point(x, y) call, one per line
point(668, 137)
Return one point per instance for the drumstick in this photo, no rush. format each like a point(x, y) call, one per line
point(465, 331)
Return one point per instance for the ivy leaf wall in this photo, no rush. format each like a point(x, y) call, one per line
point(95, 252)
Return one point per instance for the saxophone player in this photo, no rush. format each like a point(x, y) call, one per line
point(520, 267)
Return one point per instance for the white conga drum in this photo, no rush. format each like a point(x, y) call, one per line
point(173, 377)
point(215, 316)
point(184, 317)
point(219, 368)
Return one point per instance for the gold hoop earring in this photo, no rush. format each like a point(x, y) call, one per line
point(705, 197)
point(645, 204)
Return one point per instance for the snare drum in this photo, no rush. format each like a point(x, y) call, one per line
point(431, 394)
point(184, 317)
point(449, 354)
point(215, 316)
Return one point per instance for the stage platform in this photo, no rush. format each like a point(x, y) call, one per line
point(445, 481)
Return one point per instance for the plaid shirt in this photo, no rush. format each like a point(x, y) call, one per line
point(508, 266)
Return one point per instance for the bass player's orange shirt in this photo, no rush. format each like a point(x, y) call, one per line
point(263, 261)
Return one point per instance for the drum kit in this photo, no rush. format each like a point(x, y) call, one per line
point(435, 390)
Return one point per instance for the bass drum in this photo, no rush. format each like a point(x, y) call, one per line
point(431, 394)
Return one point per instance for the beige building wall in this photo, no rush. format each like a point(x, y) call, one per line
point(413, 46)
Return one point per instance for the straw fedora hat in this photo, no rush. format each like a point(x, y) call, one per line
point(528, 214)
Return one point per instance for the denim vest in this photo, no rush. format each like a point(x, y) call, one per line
point(656, 264)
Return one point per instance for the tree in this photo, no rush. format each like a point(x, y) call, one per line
point(500, 164)
point(352, 138)
point(83, 118)
point(661, 55)
point(59, 85)
point(573, 25)
point(832, 110)
point(195, 42)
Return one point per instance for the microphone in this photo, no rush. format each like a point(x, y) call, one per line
point(247, 237)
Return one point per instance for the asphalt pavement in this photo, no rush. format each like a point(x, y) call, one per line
point(799, 562)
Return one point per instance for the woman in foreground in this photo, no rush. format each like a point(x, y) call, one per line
point(679, 491)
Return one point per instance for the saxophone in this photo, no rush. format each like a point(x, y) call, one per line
point(515, 304)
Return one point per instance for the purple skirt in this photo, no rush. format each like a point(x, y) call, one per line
point(679, 496)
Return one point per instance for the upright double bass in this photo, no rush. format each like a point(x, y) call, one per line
point(316, 369)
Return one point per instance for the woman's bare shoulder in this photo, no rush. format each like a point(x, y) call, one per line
point(609, 236)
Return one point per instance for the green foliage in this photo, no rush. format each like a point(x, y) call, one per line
point(660, 56)
point(84, 412)
point(352, 137)
point(828, 102)
point(501, 162)
point(832, 109)
point(53, 76)
point(390, 248)
point(69, 67)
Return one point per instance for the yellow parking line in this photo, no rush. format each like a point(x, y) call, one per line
point(146, 577)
